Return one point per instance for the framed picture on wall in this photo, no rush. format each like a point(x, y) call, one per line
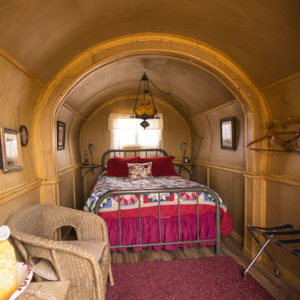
point(24, 136)
point(10, 154)
point(227, 129)
point(61, 131)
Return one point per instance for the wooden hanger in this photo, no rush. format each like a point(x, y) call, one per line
point(297, 136)
point(273, 134)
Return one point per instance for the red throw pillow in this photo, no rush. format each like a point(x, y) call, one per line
point(117, 166)
point(161, 166)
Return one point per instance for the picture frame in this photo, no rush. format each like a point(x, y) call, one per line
point(61, 132)
point(227, 130)
point(24, 136)
point(10, 154)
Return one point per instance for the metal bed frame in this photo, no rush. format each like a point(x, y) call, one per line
point(135, 151)
point(198, 190)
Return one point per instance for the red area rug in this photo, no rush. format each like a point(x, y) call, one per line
point(204, 278)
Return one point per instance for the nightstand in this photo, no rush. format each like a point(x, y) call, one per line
point(185, 167)
point(89, 167)
point(90, 173)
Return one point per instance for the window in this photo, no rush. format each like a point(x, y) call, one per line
point(127, 132)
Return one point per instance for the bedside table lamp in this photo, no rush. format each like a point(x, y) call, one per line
point(85, 158)
point(91, 150)
point(183, 147)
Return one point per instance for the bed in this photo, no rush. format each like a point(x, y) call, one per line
point(145, 203)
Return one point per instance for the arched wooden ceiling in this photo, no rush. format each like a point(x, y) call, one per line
point(261, 36)
point(187, 87)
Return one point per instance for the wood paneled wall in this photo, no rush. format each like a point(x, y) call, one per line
point(225, 172)
point(70, 183)
point(221, 169)
point(95, 129)
point(283, 180)
point(282, 202)
point(19, 92)
point(207, 126)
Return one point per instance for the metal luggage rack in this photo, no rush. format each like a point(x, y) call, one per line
point(273, 234)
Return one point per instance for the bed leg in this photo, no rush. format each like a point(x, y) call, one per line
point(218, 248)
point(110, 275)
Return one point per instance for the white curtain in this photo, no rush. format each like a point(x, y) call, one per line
point(127, 132)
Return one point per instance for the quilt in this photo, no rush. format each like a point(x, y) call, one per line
point(129, 203)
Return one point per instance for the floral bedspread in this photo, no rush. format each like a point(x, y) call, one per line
point(130, 201)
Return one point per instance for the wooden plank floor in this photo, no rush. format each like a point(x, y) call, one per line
point(230, 247)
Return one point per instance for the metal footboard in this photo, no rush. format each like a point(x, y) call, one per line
point(197, 190)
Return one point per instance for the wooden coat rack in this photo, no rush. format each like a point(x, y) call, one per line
point(289, 145)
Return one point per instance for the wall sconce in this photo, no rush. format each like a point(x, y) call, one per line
point(183, 147)
point(91, 150)
point(85, 158)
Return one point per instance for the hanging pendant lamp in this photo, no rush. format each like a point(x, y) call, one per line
point(144, 107)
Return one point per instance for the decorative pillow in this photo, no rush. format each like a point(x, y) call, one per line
point(139, 171)
point(161, 166)
point(117, 166)
point(45, 270)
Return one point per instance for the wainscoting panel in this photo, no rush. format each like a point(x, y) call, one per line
point(220, 181)
point(7, 209)
point(281, 202)
point(66, 191)
point(199, 174)
point(78, 187)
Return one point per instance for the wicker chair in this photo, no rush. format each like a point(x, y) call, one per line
point(33, 229)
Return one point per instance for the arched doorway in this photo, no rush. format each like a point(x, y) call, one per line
point(177, 47)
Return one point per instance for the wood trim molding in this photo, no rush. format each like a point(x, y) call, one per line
point(74, 189)
point(208, 177)
point(50, 180)
point(22, 68)
point(19, 190)
point(278, 82)
point(68, 169)
point(237, 237)
point(228, 168)
point(285, 273)
point(294, 181)
point(215, 108)
point(68, 107)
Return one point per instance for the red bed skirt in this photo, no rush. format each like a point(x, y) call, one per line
point(169, 230)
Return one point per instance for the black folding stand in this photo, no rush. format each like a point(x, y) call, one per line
point(273, 234)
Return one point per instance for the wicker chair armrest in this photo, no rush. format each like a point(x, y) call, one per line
point(32, 240)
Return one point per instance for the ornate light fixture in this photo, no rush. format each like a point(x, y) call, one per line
point(144, 107)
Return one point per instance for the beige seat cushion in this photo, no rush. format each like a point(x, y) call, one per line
point(93, 247)
point(45, 270)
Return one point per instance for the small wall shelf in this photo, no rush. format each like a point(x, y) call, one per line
point(89, 167)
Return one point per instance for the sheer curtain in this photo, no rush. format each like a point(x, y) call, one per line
point(127, 132)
